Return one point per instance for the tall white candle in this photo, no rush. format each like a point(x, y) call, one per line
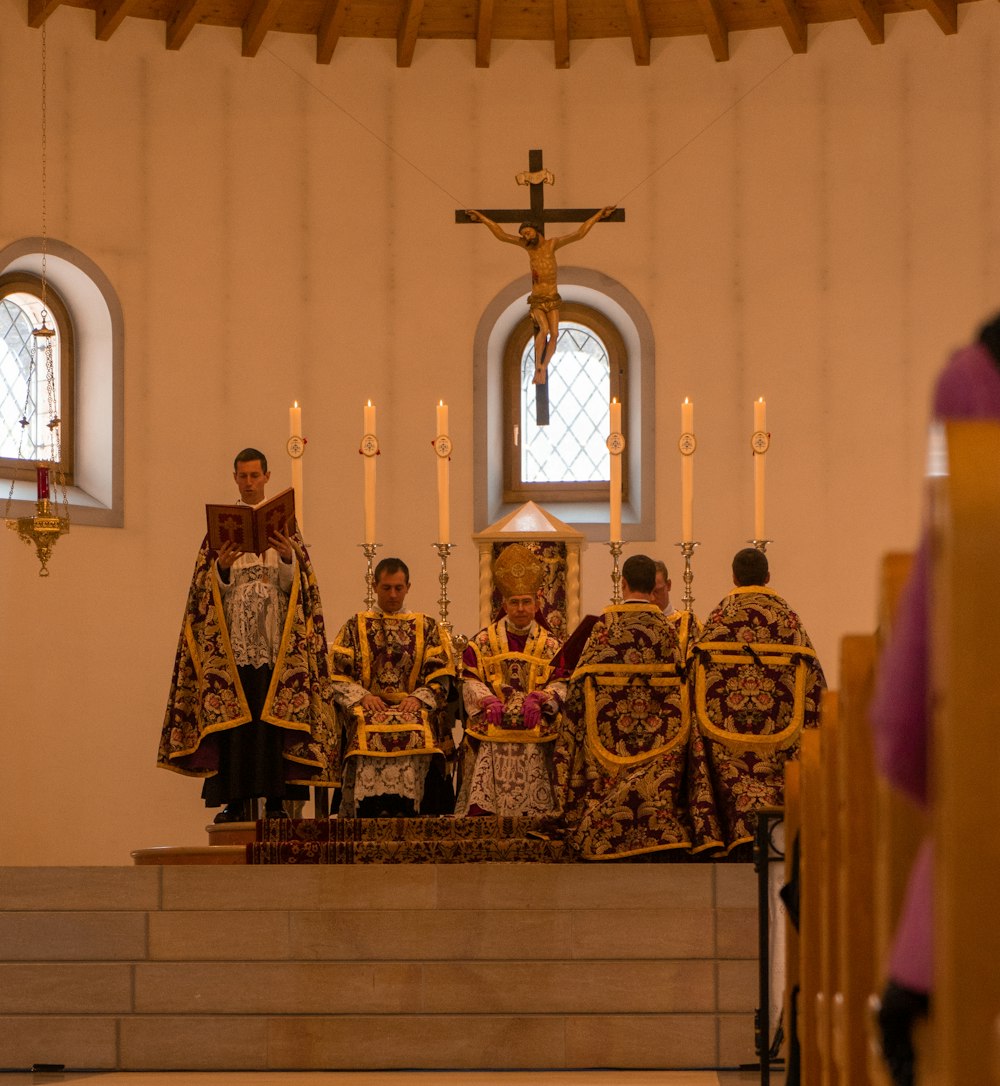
point(616, 475)
point(687, 471)
point(443, 467)
point(370, 477)
point(295, 431)
point(760, 451)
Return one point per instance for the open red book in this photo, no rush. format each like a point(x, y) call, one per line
point(250, 528)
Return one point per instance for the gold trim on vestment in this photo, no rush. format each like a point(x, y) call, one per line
point(770, 654)
point(286, 635)
point(421, 725)
point(608, 758)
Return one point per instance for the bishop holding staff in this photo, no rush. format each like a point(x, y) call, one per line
point(544, 300)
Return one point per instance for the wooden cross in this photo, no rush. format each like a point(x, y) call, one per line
point(536, 178)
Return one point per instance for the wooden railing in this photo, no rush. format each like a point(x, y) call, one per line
point(859, 836)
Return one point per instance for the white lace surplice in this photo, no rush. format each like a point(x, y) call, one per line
point(255, 603)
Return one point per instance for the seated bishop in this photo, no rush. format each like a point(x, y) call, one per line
point(392, 676)
point(757, 684)
point(624, 748)
point(513, 697)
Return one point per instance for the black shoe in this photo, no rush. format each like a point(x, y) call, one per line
point(232, 812)
point(274, 808)
point(900, 1010)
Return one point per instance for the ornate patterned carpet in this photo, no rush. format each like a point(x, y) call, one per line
point(437, 840)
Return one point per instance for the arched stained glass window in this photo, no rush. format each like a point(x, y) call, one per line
point(566, 460)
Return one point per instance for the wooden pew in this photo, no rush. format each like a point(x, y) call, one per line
point(966, 761)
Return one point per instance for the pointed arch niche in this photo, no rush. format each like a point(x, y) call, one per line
point(497, 324)
point(97, 494)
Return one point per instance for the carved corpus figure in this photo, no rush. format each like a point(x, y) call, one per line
point(544, 300)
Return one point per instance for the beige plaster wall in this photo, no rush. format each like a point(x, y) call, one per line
point(816, 229)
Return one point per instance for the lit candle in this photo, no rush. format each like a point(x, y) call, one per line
point(295, 431)
point(759, 427)
point(687, 471)
point(370, 476)
point(42, 478)
point(616, 475)
point(443, 450)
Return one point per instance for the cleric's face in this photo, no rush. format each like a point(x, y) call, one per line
point(661, 591)
point(251, 479)
point(520, 611)
point(391, 591)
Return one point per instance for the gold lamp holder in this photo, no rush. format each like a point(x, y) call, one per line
point(42, 529)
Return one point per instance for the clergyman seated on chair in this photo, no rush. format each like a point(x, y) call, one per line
point(513, 696)
point(392, 674)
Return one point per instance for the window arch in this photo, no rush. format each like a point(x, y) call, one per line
point(491, 431)
point(23, 392)
point(566, 460)
point(91, 314)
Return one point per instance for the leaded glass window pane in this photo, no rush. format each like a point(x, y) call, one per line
point(571, 448)
point(22, 383)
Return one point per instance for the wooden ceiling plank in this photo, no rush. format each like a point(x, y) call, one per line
point(484, 33)
point(945, 14)
point(560, 32)
point(871, 18)
point(184, 21)
point(40, 10)
point(793, 24)
point(330, 26)
point(258, 23)
point(639, 29)
point(406, 36)
point(715, 27)
point(109, 16)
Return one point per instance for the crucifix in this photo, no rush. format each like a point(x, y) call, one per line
point(544, 299)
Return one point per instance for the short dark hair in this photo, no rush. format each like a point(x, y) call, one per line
point(536, 226)
point(639, 573)
point(246, 455)
point(391, 566)
point(750, 567)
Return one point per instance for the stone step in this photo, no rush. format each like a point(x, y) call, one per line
point(377, 966)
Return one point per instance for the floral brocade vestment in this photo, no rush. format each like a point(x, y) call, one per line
point(757, 684)
point(393, 656)
point(206, 696)
point(507, 768)
point(625, 750)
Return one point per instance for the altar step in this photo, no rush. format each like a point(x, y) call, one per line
point(362, 966)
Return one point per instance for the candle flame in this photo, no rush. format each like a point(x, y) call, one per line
point(760, 399)
point(440, 403)
point(614, 399)
point(369, 403)
point(686, 400)
point(296, 404)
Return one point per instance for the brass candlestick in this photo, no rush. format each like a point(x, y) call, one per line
point(443, 550)
point(687, 550)
point(760, 544)
point(369, 550)
point(615, 546)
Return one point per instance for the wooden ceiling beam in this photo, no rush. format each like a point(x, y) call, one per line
point(109, 16)
point(639, 30)
point(183, 22)
point(40, 10)
point(793, 24)
point(406, 35)
point(715, 27)
point(560, 32)
point(258, 23)
point(945, 14)
point(871, 18)
point(330, 26)
point(484, 32)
